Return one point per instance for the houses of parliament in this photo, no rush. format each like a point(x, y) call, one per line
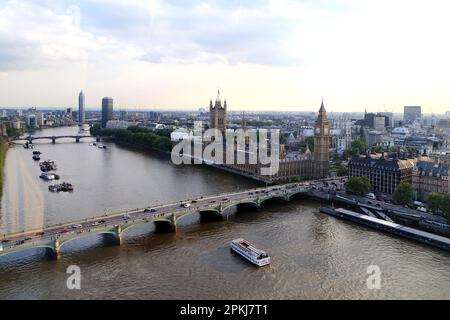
point(304, 165)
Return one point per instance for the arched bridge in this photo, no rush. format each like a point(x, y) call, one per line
point(53, 139)
point(164, 216)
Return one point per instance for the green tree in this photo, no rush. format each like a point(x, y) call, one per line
point(403, 193)
point(358, 146)
point(13, 132)
point(393, 149)
point(310, 142)
point(445, 206)
point(377, 148)
point(434, 202)
point(336, 157)
point(359, 186)
point(341, 171)
point(439, 203)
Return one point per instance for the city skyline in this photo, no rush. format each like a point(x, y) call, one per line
point(263, 55)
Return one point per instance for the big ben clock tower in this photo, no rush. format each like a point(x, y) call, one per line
point(321, 144)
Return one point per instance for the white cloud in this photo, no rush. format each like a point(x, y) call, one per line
point(357, 53)
point(33, 36)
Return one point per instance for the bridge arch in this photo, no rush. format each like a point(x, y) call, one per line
point(254, 204)
point(210, 214)
point(297, 193)
point(277, 197)
point(47, 247)
point(63, 241)
point(129, 226)
point(164, 225)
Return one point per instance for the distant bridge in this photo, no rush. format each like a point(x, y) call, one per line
point(165, 216)
point(53, 139)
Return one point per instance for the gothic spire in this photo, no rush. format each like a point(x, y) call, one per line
point(322, 108)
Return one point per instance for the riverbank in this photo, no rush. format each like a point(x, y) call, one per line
point(3, 150)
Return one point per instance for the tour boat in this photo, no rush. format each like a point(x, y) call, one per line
point(249, 251)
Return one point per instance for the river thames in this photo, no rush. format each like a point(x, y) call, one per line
point(314, 256)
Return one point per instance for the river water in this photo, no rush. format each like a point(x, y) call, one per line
point(314, 256)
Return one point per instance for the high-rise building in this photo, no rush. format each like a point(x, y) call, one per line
point(107, 110)
point(123, 115)
point(389, 119)
point(379, 123)
point(31, 121)
point(412, 113)
point(81, 107)
point(40, 119)
point(218, 114)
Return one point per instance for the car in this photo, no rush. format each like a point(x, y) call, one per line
point(102, 221)
point(126, 217)
point(146, 210)
point(5, 241)
point(225, 199)
point(422, 209)
point(186, 205)
point(194, 201)
point(77, 226)
point(212, 201)
point(378, 205)
point(39, 233)
point(152, 210)
point(96, 223)
point(27, 238)
point(370, 196)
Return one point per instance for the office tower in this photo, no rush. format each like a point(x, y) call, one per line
point(81, 107)
point(40, 119)
point(107, 110)
point(379, 123)
point(31, 121)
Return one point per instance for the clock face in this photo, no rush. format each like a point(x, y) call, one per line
point(317, 130)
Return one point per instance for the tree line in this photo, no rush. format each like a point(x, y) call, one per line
point(138, 137)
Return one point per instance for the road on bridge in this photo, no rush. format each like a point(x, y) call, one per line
point(163, 211)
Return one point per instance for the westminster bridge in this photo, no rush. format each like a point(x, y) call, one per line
point(165, 216)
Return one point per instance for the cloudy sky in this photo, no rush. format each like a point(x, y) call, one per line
point(262, 54)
